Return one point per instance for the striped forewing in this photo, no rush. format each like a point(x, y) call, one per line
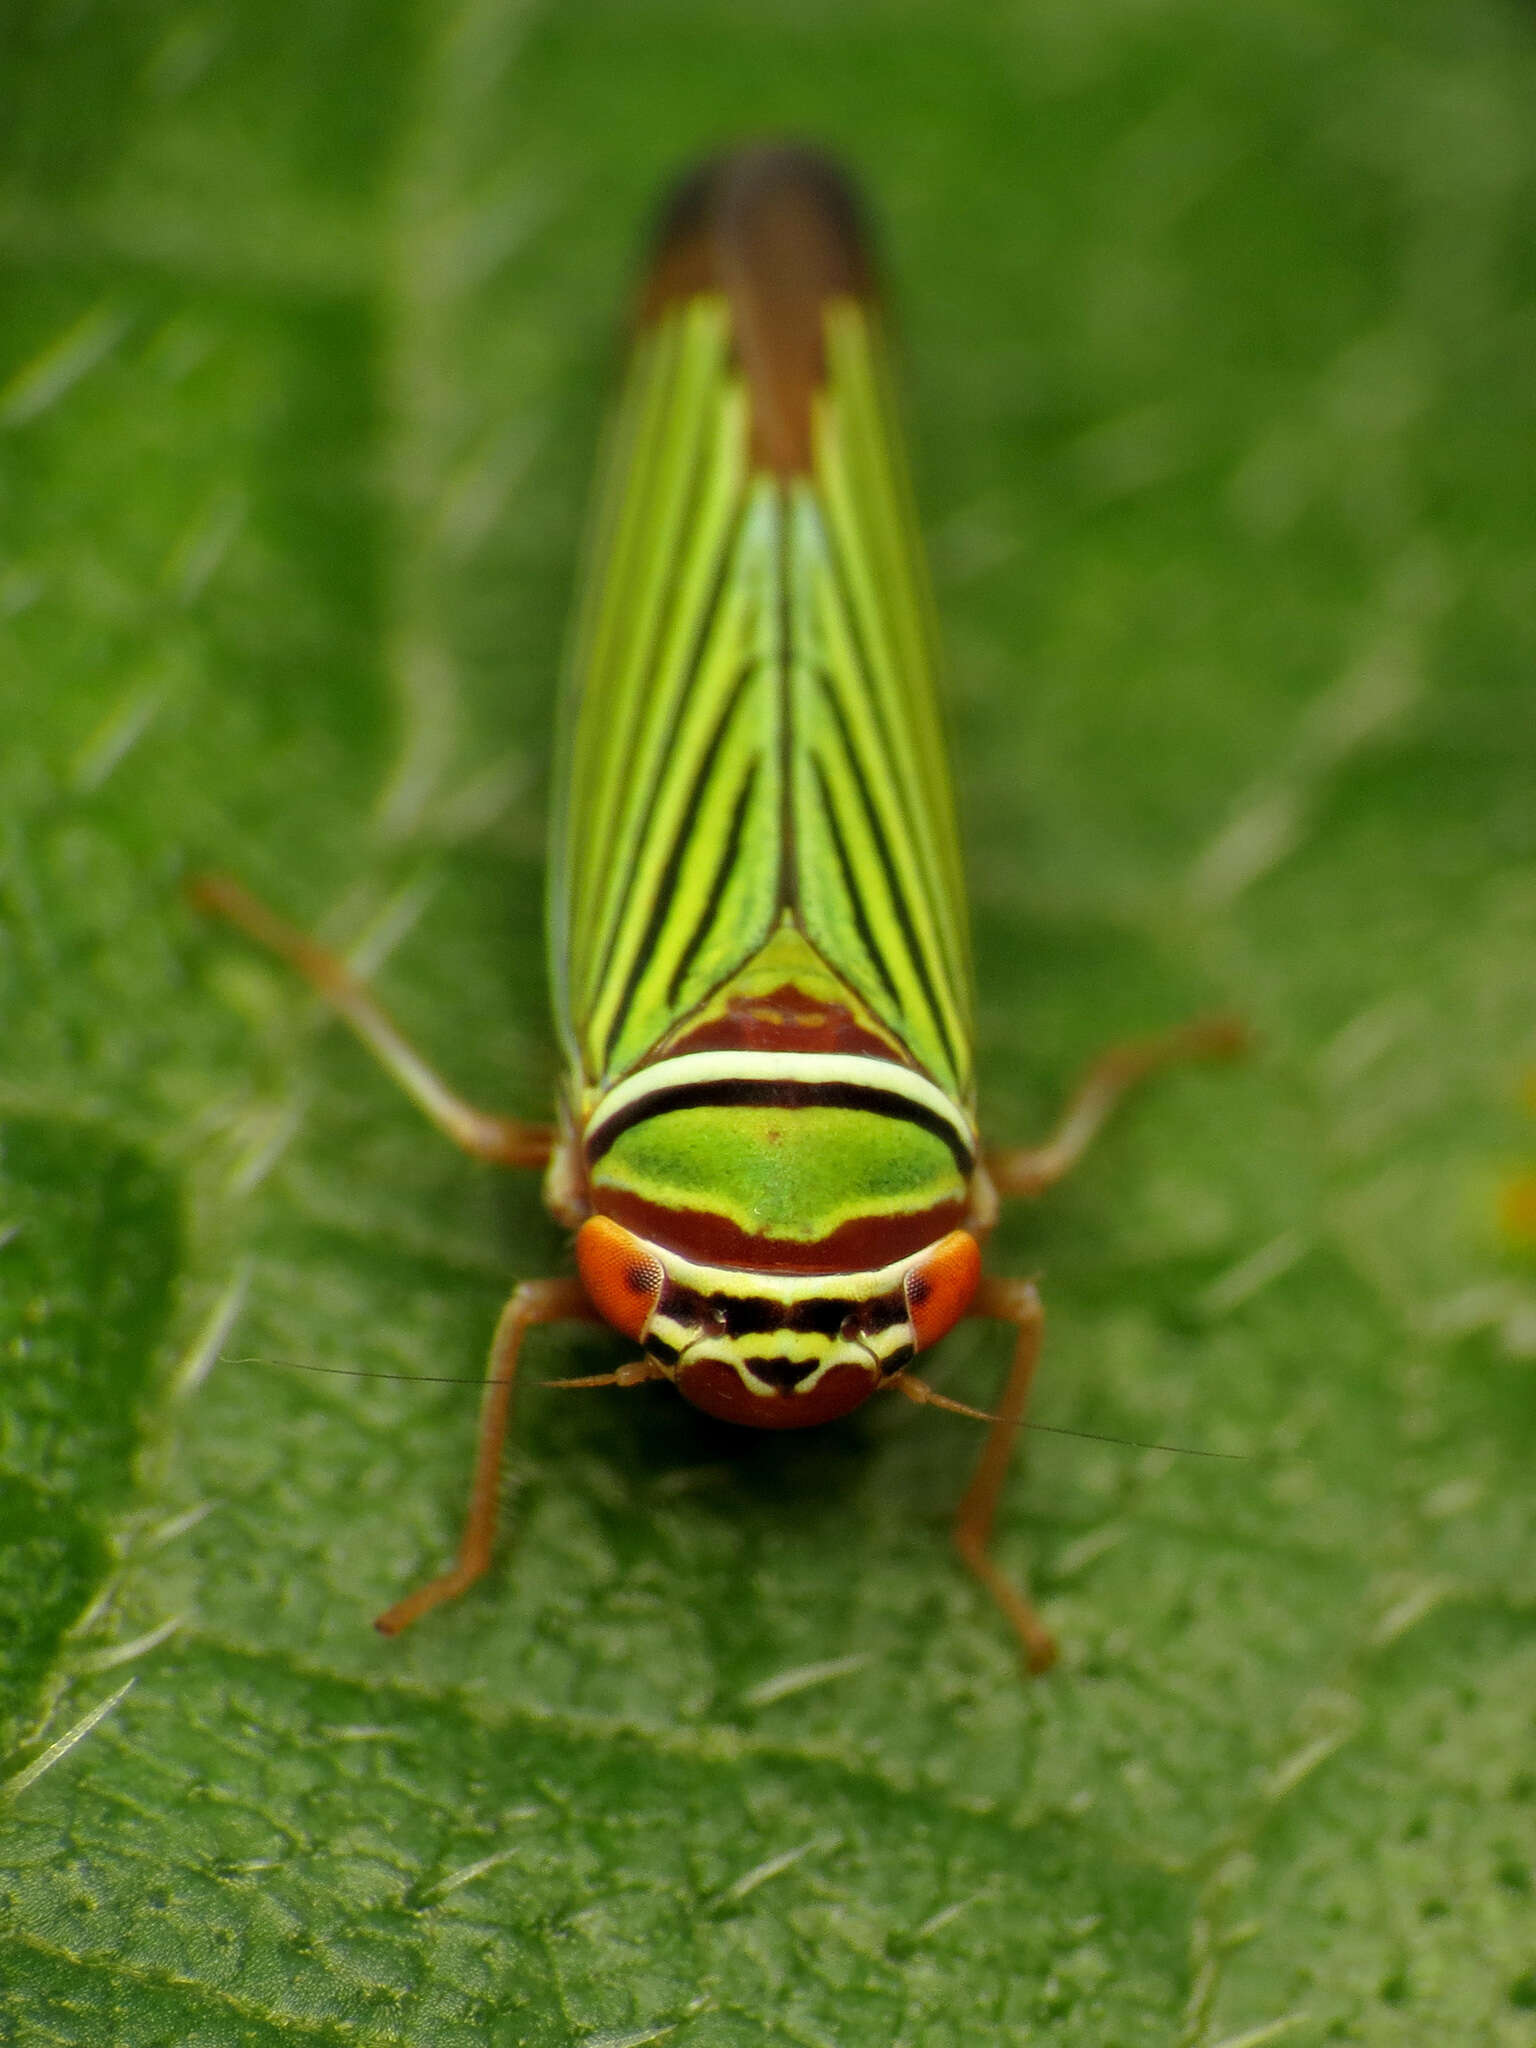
point(880, 888)
point(750, 728)
point(657, 715)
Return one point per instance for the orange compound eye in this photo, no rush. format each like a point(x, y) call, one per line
point(621, 1274)
point(940, 1285)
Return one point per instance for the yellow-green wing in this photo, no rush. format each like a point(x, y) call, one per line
point(749, 734)
point(878, 883)
point(665, 863)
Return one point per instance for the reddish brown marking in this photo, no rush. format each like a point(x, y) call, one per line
point(786, 1020)
point(857, 1246)
point(778, 232)
point(621, 1276)
point(719, 1390)
point(940, 1288)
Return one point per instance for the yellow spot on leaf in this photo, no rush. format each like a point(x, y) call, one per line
point(1517, 1212)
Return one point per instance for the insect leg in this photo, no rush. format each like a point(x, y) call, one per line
point(1018, 1303)
point(1031, 1169)
point(500, 1139)
point(534, 1302)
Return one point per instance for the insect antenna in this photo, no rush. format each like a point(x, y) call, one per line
point(640, 1370)
point(363, 1372)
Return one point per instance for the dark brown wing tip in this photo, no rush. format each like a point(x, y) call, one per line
point(778, 228)
point(765, 201)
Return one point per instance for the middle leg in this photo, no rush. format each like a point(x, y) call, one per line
point(1031, 1169)
point(503, 1140)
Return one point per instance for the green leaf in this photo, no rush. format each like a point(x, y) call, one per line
point(1219, 323)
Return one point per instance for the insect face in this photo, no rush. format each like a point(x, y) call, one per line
point(768, 1349)
point(738, 1349)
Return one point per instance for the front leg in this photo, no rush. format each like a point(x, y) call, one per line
point(535, 1302)
point(1016, 1302)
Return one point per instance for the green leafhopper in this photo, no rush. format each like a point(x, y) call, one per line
point(767, 1143)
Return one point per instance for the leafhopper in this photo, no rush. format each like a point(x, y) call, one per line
point(766, 1143)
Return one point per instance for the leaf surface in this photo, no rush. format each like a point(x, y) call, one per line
point(1217, 325)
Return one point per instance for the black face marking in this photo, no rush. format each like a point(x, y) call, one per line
point(783, 1373)
point(757, 1315)
point(873, 1318)
point(902, 1356)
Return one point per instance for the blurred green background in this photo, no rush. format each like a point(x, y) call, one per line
point(1218, 325)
